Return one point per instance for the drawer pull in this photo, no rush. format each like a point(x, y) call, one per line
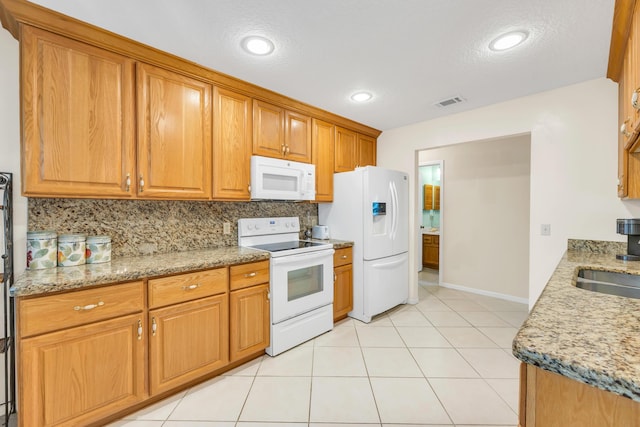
point(344, 257)
point(335, 277)
point(191, 287)
point(88, 307)
point(250, 274)
point(139, 329)
point(154, 326)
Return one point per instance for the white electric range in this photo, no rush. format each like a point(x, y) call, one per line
point(301, 279)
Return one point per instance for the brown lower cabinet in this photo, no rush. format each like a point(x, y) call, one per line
point(548, 399)
point(87, 356)
point(431, 251)
point(187, 341)
point(342, 283)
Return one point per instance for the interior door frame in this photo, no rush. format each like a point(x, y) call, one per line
point(419, 214)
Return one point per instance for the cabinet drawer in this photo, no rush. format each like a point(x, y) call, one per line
point(186, 287)
point(245, 275)
point(61, 311)
point(342, 256)
point(427, 239)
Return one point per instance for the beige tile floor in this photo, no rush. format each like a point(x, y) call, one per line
point(445, 361)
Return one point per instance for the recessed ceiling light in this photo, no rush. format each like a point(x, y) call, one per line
point(361, 96)
point(508, 40)
point(258, 45)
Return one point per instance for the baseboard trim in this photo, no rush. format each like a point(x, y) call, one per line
point(486, 293)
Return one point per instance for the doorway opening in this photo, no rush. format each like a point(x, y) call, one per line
point(483, 220)
point(430, 214)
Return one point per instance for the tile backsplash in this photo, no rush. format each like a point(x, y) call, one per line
point(139, 227)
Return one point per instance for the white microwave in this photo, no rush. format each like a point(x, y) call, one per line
point(277, 179)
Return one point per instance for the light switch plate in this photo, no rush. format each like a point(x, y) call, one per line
point(545, 229)
point(226, 228)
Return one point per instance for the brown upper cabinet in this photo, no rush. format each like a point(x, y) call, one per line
point(231, 145)
point(78, 118)
point(353, 150)
point(174, 135)
point(366, 150)
point(624, 68)
point(323, 144)
point(104, 116)
point(281, 133)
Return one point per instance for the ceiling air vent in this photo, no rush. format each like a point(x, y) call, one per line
point(450, 101)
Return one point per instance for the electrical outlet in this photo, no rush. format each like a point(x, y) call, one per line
point(545, 229)
point(226, 228)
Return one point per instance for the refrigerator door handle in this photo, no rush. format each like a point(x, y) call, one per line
point(394, 210)
point(390, 264)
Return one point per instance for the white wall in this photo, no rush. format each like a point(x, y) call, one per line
point(484, 236)
point(573, 165)
point(10, 140)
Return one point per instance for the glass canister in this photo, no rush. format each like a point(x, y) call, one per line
point(42, 247)
point(98, 249)
point(71, 249)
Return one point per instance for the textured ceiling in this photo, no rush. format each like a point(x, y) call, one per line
point(409, 53)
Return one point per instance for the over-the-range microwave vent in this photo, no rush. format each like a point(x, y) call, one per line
point(450, 101)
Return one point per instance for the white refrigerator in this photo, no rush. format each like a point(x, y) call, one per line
point(371, 208)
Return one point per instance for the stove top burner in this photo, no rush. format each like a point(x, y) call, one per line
point(286, 246)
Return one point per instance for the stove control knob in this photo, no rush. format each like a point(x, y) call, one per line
point(249, 226)
point(257, 226)
point(286, 224)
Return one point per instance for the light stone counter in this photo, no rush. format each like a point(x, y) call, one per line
point(35, 282)
point(430, 232)
point(130, 268)
point(587, 336)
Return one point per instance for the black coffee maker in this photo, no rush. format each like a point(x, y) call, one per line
point(630, 228)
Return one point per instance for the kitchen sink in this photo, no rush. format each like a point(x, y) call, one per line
point(609, 282)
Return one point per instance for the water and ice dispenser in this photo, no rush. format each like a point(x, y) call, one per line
point(630, 228)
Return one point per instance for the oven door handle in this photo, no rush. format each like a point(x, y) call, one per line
point(306, 257)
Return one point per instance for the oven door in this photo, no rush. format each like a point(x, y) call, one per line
point(300, 283)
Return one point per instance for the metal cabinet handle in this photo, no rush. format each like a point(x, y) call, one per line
point(88, 307)
point(252, 274)
point(288, 149)
point(635, 99)
point(335, 277)
point(623, 129)
point(191, 287)
point(283, 149)
point(344, 257)
point(154, 326)
point(139, 329)
point(141, 183)
point(128, 182)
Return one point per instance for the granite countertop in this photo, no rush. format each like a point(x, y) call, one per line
point(34, 282)
point(430, 230)
point(586, 336)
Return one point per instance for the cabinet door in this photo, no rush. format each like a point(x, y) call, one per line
point(297, 137)
point(187, 341)
point(249, 314)
point(342, 291)
point(346, 150)
point(428, 197)
point(77, 118)
point(174, 135)
point(232, 128)
point(81, 375)
point(323, 146)
point(366, 150)
point(268, 130)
